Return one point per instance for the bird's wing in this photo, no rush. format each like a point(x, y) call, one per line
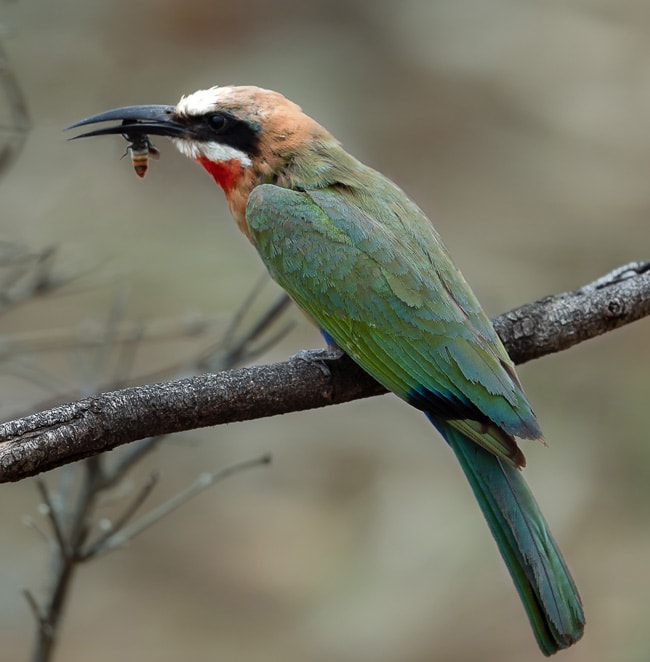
point(387, 292)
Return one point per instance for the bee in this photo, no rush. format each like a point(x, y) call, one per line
point(140, 148)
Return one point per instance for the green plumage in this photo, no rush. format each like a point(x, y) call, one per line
point(367, 265)
point(534, 561)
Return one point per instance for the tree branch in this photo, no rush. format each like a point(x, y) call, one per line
point(80, 429)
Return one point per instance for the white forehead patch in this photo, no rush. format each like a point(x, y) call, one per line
point(199, 103)
point(212, 151)
point(202, 101)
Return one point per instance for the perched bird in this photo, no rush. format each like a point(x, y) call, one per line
point(366, 264)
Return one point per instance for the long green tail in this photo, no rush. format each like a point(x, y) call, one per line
point(535, 563)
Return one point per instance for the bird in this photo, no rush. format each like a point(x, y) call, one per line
point(366, 265)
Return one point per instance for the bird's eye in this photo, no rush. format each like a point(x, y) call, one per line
point(217, 122)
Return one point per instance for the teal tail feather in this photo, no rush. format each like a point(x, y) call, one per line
point(535, 563)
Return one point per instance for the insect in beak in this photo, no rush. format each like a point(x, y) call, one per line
point(140, 148)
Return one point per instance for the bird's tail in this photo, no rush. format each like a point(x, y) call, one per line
point(535, 563)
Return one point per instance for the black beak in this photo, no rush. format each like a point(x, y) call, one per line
point(137, 121)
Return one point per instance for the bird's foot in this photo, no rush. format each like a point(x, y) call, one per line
point(319, 357)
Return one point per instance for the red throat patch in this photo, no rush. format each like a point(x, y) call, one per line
point(225, 173)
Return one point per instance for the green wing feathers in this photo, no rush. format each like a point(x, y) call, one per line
point(376, 277)
point(395, 303)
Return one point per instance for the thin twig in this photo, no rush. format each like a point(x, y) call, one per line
point(31, 523)
point(72, 521)
point(206, 480)
point(96, 548)
point(118, 470)
point(19, 123)
point(237, 347)
point(53, 516)
point(243, 350)
point(33, 605)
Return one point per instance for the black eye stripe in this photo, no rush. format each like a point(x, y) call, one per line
point(228, 130)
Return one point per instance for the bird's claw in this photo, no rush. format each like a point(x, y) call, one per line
point(319, 357)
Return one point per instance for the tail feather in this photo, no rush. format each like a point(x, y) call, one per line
point(536, 566)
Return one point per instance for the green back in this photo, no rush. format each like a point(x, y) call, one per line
point(377, 278)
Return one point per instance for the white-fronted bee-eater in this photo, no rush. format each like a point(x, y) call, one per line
point(362, 260)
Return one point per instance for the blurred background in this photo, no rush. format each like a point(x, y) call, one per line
point(523, 129)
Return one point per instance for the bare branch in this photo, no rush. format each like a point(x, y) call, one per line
point(71, 545)
point(33, 605)
point(101, 544)
point(122, 534)
point(70, 509)
point(559, 322)
point(53, 516)
point(118, 470)
point(18, 125)
point(70, 432)
point(238, 345)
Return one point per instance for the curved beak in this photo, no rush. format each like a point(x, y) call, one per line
point(135, 121)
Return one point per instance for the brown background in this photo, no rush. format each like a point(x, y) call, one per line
point(523, 128)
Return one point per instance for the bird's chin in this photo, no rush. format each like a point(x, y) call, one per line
point(211, 151)
point(189, 148)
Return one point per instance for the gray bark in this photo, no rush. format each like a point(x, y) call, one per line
point(67, 433)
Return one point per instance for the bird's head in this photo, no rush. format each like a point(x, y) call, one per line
point(237, 133)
